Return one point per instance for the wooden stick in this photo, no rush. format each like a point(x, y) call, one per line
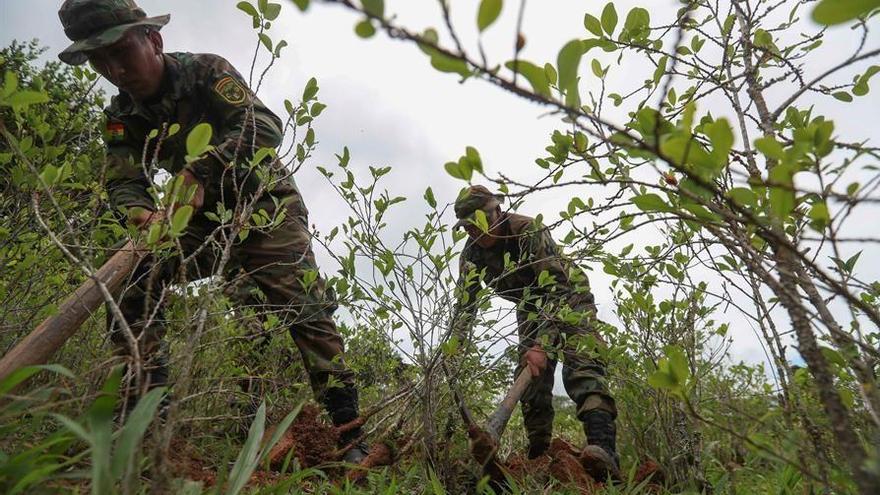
point(498, 420)
point(44, 341)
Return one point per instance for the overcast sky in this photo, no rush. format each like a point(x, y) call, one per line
point(391, 108)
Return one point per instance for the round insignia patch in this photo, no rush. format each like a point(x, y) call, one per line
point(230, 90)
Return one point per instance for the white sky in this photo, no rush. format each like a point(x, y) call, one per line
point(391, 108)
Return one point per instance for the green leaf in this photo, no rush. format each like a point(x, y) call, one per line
point(743, 196)
point(374, 7)
point(660, 379)
point(247, 8)
point(481, 221)
point(20, 375)
point(597, 69)
point(831, 12)
point(50, 174)
point(819, 216)
point(365, 29)
point(272, 11)
point(448, 64)
point(488, 13)
point(535, 75)
point(550, 73)
point(609, 18)
point(861, 86)
point(764, 39)
point(198, 139)
point(281, 44)
point(473, 158)
point(593, 24)
point(282, 428)
point(651, 202)
point(721, 136)
point(181, 219)
point(27, 97)
point(637, 24)
point(678, 364)
point(852, 189)
point(770, 147)
point(154, 233)
point(660, 70)
point(455, 169)
point(133, 431)
point(567, 64)
point(429, 198)
point(74, 427)
point(266, 41)
point(310, 90)
point(248, 457)
point(10, 83)
point(843, 96)
point(317, 109)
point(782, 197)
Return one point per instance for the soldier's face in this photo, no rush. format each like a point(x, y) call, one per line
point(133, 64)
point(486, 239)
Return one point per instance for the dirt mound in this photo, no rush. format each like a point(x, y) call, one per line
point(312, 441)
point(562, 463)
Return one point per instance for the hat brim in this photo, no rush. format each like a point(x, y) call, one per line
point(75, 54)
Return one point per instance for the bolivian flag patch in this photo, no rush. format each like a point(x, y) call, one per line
point(230, 90)
point(115, 132)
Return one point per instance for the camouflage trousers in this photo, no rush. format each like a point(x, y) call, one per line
point(280, 263)
point(583, 377)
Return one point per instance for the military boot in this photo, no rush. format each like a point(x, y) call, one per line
point(537, 447)
point(599, 457)
point(342, 406)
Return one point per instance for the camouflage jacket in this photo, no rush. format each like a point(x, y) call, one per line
point(196, 88)
point(526, 268)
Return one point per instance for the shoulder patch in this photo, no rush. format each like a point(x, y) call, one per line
point(230, 90)
point(115, 131)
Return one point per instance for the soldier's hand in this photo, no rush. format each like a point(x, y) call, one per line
point(188, 180)
point(142, 217)
point(536, 360)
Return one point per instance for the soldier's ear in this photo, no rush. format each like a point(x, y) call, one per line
point(155, 39)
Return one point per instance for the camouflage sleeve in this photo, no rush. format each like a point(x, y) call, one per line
point(126, 182)
point(467, 291)
point(242, 125)
point(559, 282)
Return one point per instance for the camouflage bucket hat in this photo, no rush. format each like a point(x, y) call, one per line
point(472, 199)
point(92, 24)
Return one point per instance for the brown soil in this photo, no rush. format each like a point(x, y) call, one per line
point(566, 467)
point(482, 445)
point(187, 463)
point(650, 469)
point(312, 441)
point(520, 466)
point(380, 455)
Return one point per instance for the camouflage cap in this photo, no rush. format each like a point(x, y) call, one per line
point(472, 199)
point(92, 24)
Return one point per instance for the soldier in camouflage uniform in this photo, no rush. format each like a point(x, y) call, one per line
point(519, 260)
point(158, 90)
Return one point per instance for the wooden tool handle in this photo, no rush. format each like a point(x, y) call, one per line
point(498, 420)
point(44, 341)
